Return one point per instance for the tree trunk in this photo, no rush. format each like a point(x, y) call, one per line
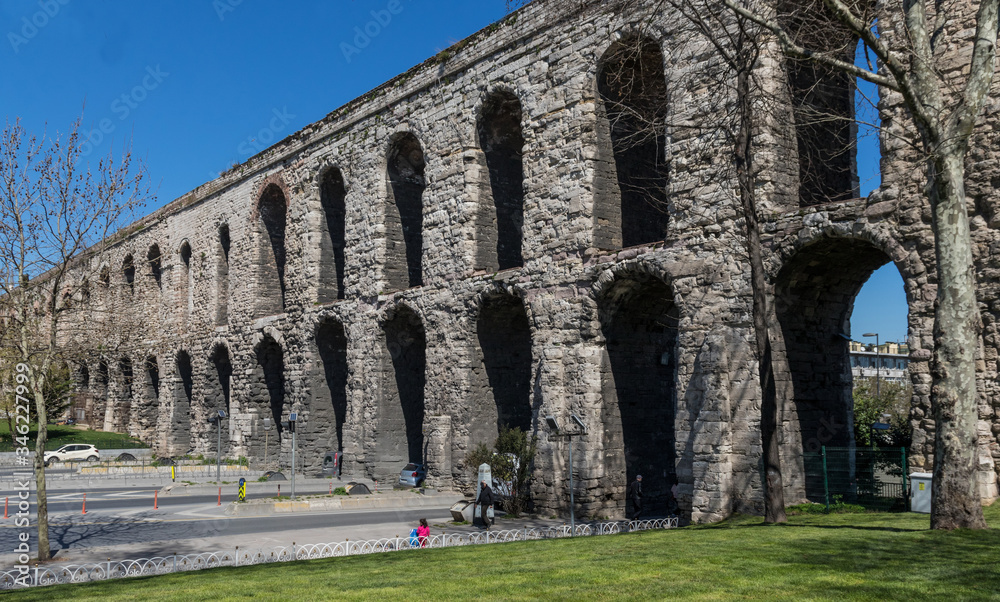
point(955, 500)
point(774, 496)
point(44, 552)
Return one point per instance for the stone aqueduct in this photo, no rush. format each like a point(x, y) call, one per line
point(475, 244)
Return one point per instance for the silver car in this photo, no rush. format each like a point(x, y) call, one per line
point(412, 475)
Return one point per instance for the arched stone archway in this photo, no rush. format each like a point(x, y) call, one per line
point(399, 432)
point(502, 374)
point(814, 296)
point(639, 321)
point(631, 180)
point(272, 212)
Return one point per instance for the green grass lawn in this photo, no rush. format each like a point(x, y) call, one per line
point(60, 435)
point(814, 557)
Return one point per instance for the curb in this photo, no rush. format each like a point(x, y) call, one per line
point(268, 508)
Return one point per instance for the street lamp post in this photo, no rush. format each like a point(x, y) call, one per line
point(551, 421)
point(878, 360)
point(290, 425)
point(217, 421)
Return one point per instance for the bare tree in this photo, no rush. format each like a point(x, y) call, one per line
point(920, 62)
point(56, 214)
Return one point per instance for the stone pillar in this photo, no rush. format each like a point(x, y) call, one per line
point(438, 446)
point(711, 439)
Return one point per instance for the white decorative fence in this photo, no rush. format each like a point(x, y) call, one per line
point(52, 575)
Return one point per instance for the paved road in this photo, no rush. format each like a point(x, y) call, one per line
point(70, 532)
point(70, 501)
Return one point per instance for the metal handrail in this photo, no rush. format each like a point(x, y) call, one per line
point(161, 565)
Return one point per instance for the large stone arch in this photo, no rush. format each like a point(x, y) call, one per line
point(399, 426)
point(639, 322)
point(502, 365)
point(328, 409)
point(630, 182)
point(179, 439)
point(814, 290)
point(268, 395)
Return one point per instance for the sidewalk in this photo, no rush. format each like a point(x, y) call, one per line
point(439, 523)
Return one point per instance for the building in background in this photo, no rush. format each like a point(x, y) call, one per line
point(888, 361)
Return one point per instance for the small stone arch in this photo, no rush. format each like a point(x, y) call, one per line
point(154, 259)
point(632, 173)
point(406, 183)
point(332, 186)
point(271, 224)
point(500, 219)
point(224, 244)
point(128, 273)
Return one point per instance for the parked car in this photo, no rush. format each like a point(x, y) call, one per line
point(75, 451)
point(412, 475)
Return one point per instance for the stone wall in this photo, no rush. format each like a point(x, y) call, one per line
point(443, 256)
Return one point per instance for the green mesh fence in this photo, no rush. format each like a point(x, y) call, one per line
point(871, 477)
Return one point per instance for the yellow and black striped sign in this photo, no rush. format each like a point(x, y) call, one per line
point(243, 490)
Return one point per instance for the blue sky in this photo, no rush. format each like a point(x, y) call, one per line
point(201, 84)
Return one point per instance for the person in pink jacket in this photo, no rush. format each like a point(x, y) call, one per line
point(423, 533)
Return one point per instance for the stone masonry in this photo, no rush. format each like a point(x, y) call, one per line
point(484, 241)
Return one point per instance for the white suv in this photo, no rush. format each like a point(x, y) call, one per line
point(73, 452)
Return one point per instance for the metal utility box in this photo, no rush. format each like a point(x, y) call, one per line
point(920, 492)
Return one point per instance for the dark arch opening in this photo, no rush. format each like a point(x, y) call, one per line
point(105, 277)
point(180, 426)
point(149, 409)
point(405, 213)
point(814, 298)
point(401, 412)
point(504, 336)
point(84, 378)
point(185, 297)
point(333, 241)
point(330, 408)
point(502, 141)
point(273, 209)
point(639, 381)
point(633, 170)
point(222, 278)
point(221, 374)
point(269, 384)
point(823, 106)
point(128, 272)
point(125, 411)
point(101, 391)
point(155, 262)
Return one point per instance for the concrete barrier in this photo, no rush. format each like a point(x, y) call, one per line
point(341, 502)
